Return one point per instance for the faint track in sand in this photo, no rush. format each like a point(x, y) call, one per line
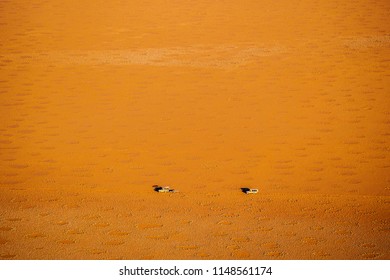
point(225, 56)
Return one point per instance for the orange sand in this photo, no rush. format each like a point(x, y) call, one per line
point(101, 100)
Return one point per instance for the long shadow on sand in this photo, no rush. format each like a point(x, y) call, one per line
point(156, 188)
point(245, 190)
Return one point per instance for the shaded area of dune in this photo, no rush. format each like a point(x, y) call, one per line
point(132, 224)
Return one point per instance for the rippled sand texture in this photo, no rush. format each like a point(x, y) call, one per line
point(101, 100)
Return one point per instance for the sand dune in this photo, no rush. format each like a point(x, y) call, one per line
point(101, 101)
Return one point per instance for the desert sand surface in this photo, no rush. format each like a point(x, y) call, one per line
point(101, 100)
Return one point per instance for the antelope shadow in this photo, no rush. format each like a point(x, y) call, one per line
point(245, 190)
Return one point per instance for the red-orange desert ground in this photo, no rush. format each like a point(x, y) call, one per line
point(101, 100)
